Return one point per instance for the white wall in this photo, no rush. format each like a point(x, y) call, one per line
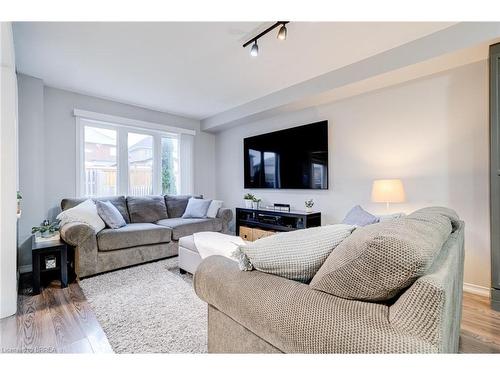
point(432, 133)
point(8, 173)
point(48, 148)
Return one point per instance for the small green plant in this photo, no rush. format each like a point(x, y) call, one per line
point(309, 203)
point(249, 196)
point(46, 228)
point(19, 196)
point(256, 200)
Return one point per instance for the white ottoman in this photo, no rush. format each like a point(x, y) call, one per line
point(189, 258)
point(209, 243)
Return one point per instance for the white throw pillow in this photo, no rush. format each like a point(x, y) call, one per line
point(85, 212)
point(213, 209)
point(296, 255)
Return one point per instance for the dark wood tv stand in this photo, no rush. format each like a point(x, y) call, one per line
point(254, 224)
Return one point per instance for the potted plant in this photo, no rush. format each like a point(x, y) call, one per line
point(248, 200)
point(309, 205)
point(46, 229)
point(255, 203)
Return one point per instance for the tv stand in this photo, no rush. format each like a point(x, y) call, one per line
point(254, 224)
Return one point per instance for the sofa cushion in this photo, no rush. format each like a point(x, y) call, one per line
point(378, 261)
point(196, 208)
point(296, 255)
point(131, 235)
point(146, 209)
point(110, 214)
point(359, 217)
point(118, 201)
point(185, 227)
point(176, 204)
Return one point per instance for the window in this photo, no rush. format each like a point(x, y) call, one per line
point(118, 159)
point(100, 161)
point(140, 164)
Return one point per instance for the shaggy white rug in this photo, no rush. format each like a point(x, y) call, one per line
point(150, 308)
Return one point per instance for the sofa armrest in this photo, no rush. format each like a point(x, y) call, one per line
point(295, 318)
point(83, 237)
point(226, 215)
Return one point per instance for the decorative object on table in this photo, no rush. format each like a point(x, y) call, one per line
point(256, 202)
point(50, 262)
point(359, 217)
point(50, 251)
point(19, 199)
point(248, 200)
point(388, 191)
point(309, 205)
point(46, 231)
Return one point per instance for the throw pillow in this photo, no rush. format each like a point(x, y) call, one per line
point(295, 255)
point(85, 212)
point(378, 261)
point(110, 214)
point(147, 209)
point(176, 204)
point(359, 217)
point(213, 209)
point(196, 208)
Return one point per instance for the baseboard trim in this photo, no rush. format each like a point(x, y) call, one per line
point(476, 289)
point(25, 269)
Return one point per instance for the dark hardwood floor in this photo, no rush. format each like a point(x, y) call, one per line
point(61, 321)
point(55, 321)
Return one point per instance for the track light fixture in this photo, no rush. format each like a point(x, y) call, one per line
point(282, 33)
point(254, 51)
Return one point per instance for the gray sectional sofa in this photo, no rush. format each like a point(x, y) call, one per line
point(154, 226)
point(257, 312)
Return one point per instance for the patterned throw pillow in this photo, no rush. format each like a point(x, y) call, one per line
point(359, 217)
point(378, 261)
point(110, 214)
point(294, 255)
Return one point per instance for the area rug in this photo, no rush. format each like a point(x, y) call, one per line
point(150, 308)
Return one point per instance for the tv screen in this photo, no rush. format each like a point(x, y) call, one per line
point(295, 158)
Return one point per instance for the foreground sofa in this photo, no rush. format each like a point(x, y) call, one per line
point(154, 226)
point(256, 312)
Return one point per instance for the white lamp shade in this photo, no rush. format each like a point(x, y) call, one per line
point(388, 191)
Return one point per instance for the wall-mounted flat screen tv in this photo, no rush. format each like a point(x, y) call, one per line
point(294, 158)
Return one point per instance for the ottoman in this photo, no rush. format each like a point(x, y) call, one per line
point(209, 243)
point(189, 258)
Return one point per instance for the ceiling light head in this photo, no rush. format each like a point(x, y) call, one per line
point(282, 33)
point(254, 51)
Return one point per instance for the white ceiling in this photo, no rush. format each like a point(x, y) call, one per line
point(196, 69)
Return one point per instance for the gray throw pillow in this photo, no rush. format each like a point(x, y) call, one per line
point(379, 261)
point(295, 255)
point(359, 217)
point(196, 208)
point(110, 214)
point(146, 209)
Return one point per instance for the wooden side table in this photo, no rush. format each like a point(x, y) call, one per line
point(39, 252)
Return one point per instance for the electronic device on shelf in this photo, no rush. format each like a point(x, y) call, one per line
point(276, 221)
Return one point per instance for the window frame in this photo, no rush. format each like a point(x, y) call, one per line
point(122, 164)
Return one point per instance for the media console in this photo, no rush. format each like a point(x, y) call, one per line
point(254, 224)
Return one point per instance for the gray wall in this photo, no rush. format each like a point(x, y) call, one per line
point(47, 149)
point(432, 133)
